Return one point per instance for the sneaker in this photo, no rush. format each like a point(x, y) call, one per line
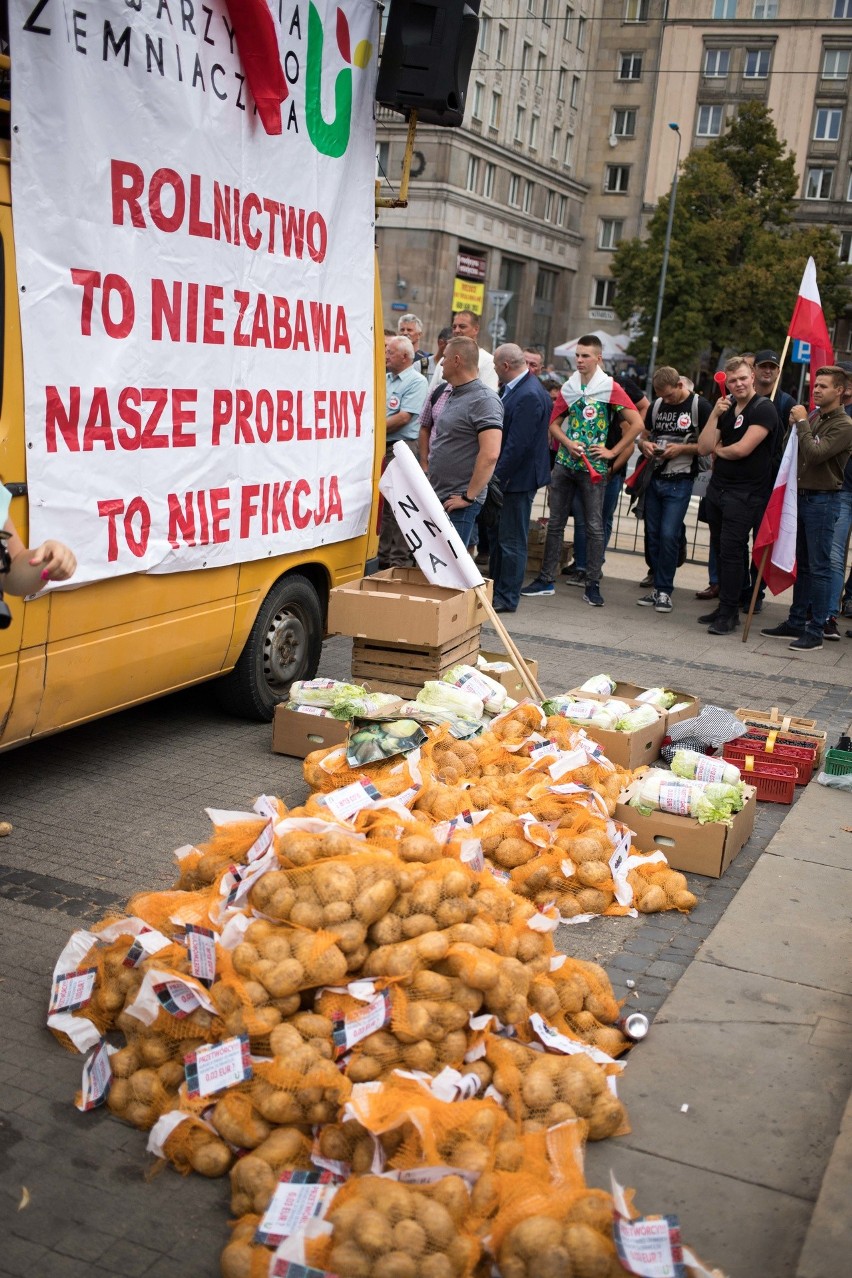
point(647, 580)
point(784, 631)
point(647, 601)
point(663, 602)
point(592, 595)
point(710, 617)
point(723, 626)
point(538, 588)
point(830, 631)
point(574, 576)
point(806, 642)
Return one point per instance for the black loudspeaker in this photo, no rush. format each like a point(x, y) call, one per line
point(426, 59)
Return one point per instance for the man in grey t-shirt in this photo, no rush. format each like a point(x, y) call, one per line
point(466, 438)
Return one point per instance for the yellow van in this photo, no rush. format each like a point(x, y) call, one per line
point(75, 655)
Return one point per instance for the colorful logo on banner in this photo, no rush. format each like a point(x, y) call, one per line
point(331, 138)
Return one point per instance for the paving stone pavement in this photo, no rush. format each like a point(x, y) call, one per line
point(97, 813)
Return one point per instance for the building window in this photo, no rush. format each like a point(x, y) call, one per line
point(545, 285)
point(555, 139)
point(616, 179)
point(827, 124)
point(709, 122)
point(545, 16)
point(534, 121)
point(494, 114)
point(846, 248)
point(724, 9)
point(525, 57)
point(604, 292)
point(756, 64)
point(549, 201)
point(581, 33)
point(561, 206)
point(472, 180)
point(630, 66)
point(539, 68)
point(636, 11)
point(476, 103)
point(484, 32)
point(575, 91)
point(765, 9)
point(502, 38)
point(849, 189)
point(716, 64)
point(609, 232)
point(529, 187)
point(569, 150)
point(560, 85)
point(569, 14)
point(843, 8)
point(383, 158)
point(624, 122)
point(818, 184)
point(835, 64)
point(520, 112)
point(488, 181)
point(514, 190)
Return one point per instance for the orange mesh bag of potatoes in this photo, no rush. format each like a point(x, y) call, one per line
point(245, 1004)
point(425, 1033)
point(242, 1257)
point(516, 725)
point(231, 844)
point(384, 1228)
point(140, 1097)
point(299, 1085)
point(658, 887)
point(511, 842)
point(445, 759)
point(409, 837)
point(548, 1231)
point(169, 912)
point(286, 960)
point(191, 1145)
point(303, 840)
point(577, 1000)
point(255, 1175)
point(326, 770)
point(348, 1149)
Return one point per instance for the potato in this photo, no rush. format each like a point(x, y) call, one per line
point(252, 1185)
point(417, 925)
point(436, 1220)
point(574, 1089)
point(396, 1264)
point(236, 1259)
point(538, 1090)
point(211, 1157)
point(276, 946)
point(420, 1056)
point(283, 978)
point(410, 1237)
point(416, 847)
point(593, 874)
point(337, 912)
point(386, 931)
point(593, 901)
point(125, 1061)
point(307, 914)
point(375, 901)
point(238, 1122)
point(436, 1266)
point(312, 1025)
point(607, 1115)
point(364, 1068)
point(684, 900)
point(372, 1232)
point(350, 936)
point(431, 985)
point(334, 882)
point(590, 1252)
point(594, 1208)
point(532, 1238)
point(652, 900)
point(171, 1075)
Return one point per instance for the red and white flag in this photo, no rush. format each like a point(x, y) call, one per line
point(808, 322)
point(778, 527)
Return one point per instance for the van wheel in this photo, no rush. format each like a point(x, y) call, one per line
point(285, 644)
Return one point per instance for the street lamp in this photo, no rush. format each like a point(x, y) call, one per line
point(649, 389)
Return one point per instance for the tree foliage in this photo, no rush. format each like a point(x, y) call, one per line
point(736, 256)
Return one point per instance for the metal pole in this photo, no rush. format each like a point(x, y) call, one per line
point(652, 364)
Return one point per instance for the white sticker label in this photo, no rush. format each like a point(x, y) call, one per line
point(201, 943)
point(618, 868)
point(361, 1024)
point(567, 761)
point(649, 1246)
point(299, 1196)
point(344, 803)
point(472, 855)
point(261, 843)
point(710, 769)
point(97, 1077)
point(556, 1042)
point(212, 1068)
point(674, 798)
point(72, 990)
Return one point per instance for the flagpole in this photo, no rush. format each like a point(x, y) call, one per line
point(509, 644)
point(754, 593)
point(781, 366)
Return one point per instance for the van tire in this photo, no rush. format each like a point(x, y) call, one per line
point(285, 644)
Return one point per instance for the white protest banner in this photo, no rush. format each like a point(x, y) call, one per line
point(196, 294)
point(432, 539)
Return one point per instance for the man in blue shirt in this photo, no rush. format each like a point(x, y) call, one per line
point(405, 392)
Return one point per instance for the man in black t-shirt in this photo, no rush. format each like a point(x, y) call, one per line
point(740, 433)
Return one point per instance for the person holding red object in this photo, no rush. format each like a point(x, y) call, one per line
point(580, 423)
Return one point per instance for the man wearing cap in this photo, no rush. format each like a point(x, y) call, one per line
point(766, 369)
point(825, 446)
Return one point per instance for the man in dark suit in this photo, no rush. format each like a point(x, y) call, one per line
point(523, 468)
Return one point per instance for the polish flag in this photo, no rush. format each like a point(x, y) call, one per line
point(777, 531)
point(808, 322)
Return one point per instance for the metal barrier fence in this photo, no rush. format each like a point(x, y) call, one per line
point(628, 532)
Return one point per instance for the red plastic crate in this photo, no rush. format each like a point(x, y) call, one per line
point(774, 782)
point(801, 758)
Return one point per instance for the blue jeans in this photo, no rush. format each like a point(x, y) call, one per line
point(509, 548)
point(614, 485)
point(666, 504)
point(838, 551)
point(464, 521)
point(814, 533)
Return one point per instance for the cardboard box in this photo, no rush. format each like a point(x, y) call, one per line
point(629, 749)
point(404, 668)
point(535, 546)
point(400, 606)
point(696, 849)
point(631, 691)
point(297, 732)
point(510, 679)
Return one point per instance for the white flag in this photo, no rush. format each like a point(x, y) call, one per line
point(431, 538)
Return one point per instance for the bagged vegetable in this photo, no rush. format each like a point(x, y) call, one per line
point(453, 703)
point(637, 718)
point(323, 692)
point(603, 685)
point(658, 697)
point(705, 801)
point(491, 693)
point(368, 705)
point(377, 741)
point(695, 766)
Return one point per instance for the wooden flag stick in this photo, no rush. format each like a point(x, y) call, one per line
point(509, 644)
point(781, 366)
point(760, 569)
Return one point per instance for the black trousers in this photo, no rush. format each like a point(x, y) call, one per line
point(731, 516)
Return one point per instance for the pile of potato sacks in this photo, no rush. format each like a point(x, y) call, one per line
point(320, 919)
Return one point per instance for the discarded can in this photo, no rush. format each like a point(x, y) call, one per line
point(634, 1024)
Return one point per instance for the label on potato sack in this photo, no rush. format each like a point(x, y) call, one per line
point(72, 990)
point(282, 1268)
point(650, 1246)
point(350, 1030)
point(216, 1066)
point(344, 803)
point(299, 1197)
point(554, 1041)
point(201, 943)
point(97, 1077)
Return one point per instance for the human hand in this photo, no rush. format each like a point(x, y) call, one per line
point(646, 448)
point(55, 559)
point(601, 453)
point(455, 502)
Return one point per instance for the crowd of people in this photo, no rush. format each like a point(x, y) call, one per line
point(491, 431)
